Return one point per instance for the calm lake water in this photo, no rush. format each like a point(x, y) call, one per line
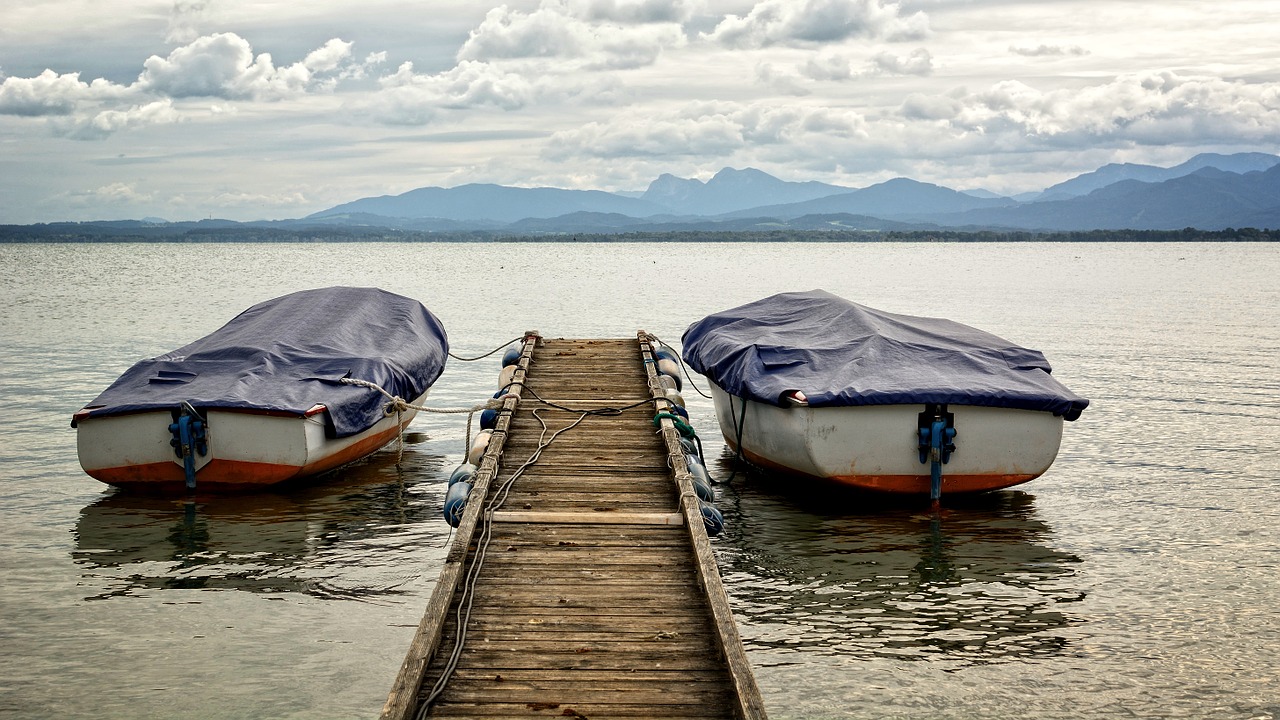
point(1139, 577)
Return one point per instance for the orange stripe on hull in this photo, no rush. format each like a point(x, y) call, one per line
point(904, 484)
point(222, 474)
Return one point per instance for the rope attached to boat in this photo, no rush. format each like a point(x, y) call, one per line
point(654, 339)
point(503, 346)
point(398, 405)
point(739, 422)
point(681, 426)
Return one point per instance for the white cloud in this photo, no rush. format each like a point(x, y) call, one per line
point(328, 57)
point(1147, 109)
point(223, 65)
point(467, 85)
point(261, 200)
point(1159, 107)
point(787, 22)
point(52, 94)
point(507, 33)
point(218, 66)
point(116, 192)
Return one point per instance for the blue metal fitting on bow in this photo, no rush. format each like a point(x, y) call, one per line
point(190, 438)
point(937, 442)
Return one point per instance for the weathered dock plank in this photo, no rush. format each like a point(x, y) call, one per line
point(582, 584)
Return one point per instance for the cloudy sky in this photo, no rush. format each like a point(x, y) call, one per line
point(242, 109)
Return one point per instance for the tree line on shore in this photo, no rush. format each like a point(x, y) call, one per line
point(90, 233)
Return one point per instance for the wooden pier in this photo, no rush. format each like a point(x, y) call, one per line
point(586, 587)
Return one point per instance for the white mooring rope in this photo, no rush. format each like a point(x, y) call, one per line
point(398, 405)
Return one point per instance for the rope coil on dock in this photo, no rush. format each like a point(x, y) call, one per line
point(497, 499)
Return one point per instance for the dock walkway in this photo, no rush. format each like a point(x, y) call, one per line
point(596, 595)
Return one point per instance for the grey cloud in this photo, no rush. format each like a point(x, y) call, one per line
point(1047, 50)
point(929, 107)
point(409, 98)
point(184, 20)
point(715, 136)
point(828, 66)
point(596, 40)
point(715, 130)
point(919, 62)
point(837, 67)
point(781, 80)
point(103, 124)
point(635, 49)
point(637, 11)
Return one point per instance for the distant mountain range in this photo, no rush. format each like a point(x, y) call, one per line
point(1240, 163)
point(1209, 192)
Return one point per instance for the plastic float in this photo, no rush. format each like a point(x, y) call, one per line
point(667, 364)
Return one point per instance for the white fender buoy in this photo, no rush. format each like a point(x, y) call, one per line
point(507, 375)
point(479, 446)
point(670, 368)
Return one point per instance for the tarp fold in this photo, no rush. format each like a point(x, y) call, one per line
point(289, 354)
point(840, 353)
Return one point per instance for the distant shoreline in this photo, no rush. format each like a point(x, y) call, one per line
point(29, 234)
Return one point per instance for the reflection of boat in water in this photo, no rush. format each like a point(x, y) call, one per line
point(826, 574)
point(811, 384)
point(269, 397)
point(332, 540)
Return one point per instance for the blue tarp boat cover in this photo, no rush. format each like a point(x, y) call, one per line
point(289, 354)
point(840, 353)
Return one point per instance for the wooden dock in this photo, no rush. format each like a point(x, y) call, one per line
point(587, 587)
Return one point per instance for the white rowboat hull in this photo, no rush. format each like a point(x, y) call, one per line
point(875, 447)
point(246, 449)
